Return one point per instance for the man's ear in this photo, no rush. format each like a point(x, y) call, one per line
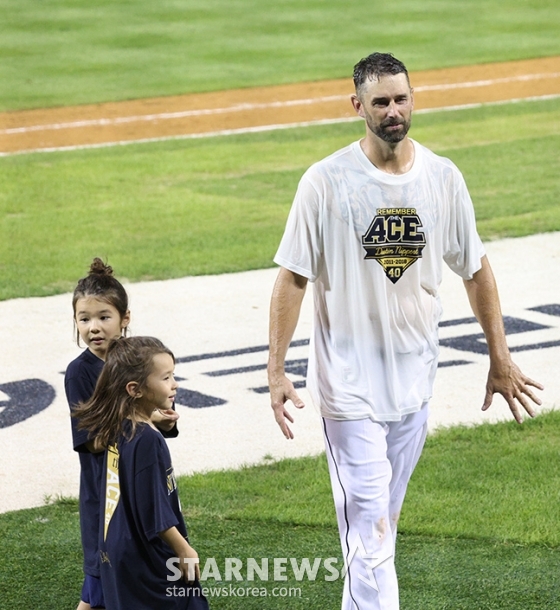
point(357, 105)
point(132, 389)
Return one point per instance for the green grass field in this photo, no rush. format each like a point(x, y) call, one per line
point(63, 52)
point(219, 205)
point(479, 528)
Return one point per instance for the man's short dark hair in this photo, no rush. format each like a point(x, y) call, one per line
point(377, 65)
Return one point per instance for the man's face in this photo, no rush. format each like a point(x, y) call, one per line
point(386, 105)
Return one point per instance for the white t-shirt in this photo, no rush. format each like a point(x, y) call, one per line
point(373, 244)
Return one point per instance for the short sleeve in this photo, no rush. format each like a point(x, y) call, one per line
point(154, 483)
point(301, 247)
point(464, 248)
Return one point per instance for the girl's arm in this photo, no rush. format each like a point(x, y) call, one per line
point(183, 550)
point(79, 388)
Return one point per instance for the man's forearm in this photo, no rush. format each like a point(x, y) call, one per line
point(485, 303)
point(285, 307)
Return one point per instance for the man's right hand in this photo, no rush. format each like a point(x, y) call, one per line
point(282, 390)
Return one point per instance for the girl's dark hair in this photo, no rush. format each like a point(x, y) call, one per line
point(128, 359)
point(377, 65)
point(101, 284)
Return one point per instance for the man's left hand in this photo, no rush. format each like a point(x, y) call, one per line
point(508, 380)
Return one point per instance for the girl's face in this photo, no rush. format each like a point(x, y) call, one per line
point(161, 386)
point(98, 322)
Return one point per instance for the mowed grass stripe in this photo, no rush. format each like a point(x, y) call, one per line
point(67, 53)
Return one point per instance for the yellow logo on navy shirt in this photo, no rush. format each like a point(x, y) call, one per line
point(394, 240)
point(112, 487)
point(171, 481)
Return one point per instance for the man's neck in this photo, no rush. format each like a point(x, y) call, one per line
point(389, 158)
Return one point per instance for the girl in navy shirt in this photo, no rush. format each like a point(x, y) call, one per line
point(142, 526)
point(101, 313)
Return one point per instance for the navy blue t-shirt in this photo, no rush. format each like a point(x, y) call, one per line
point(141, 500)
point(79, 382)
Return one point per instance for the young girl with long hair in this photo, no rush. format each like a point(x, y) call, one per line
point(142, 525)
point(100, 306)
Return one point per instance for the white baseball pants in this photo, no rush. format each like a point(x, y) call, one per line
point(370, 464)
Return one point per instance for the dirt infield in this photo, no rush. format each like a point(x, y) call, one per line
point(262, 108)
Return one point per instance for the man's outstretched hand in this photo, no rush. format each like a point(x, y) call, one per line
point(507, 379)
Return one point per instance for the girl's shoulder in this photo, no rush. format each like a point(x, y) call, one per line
point(81, 376)
point(147, 446)
point(86, 364)
point(144, 437)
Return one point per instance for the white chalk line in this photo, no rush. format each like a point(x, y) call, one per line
point(174, 115)
point(264, 128)
point(258, 106)
point(489, 82)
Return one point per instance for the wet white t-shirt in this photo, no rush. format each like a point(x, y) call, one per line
point(373, 244)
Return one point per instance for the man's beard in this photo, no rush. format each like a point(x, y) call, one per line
point(391, 137)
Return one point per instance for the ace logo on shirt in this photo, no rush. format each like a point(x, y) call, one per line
point(394, 240)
